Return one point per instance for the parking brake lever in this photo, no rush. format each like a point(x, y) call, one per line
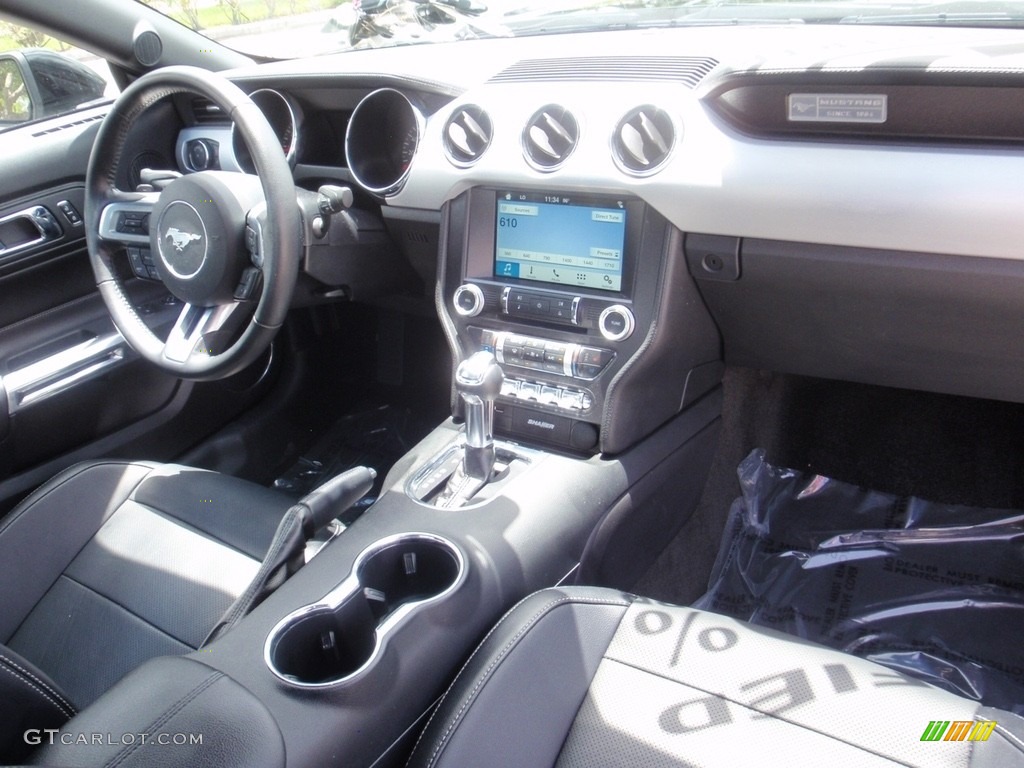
point(325, 502)
point(287, 551)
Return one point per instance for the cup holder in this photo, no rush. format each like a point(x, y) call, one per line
point(337, 638)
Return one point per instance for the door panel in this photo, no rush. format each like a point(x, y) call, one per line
point(70, 387)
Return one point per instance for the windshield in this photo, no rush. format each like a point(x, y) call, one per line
point(279, 29)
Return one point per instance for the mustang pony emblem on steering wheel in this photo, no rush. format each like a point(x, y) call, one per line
point(180, 239)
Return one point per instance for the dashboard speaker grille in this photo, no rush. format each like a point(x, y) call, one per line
point(148, 48)
point(550, 137)
point(688, 70)
point(467, 134)
point(643, 140)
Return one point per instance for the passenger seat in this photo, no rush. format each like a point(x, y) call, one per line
point(593, 677)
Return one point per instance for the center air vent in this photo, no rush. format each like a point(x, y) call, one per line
point(550, 137)
point(467, 134)
point(643, 140)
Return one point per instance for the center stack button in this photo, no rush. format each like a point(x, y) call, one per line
point(468, 300)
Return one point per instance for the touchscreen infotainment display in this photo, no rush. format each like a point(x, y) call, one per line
point(567, 240)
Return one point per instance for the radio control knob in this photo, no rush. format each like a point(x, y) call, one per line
point(616, 323)
point(468, 300)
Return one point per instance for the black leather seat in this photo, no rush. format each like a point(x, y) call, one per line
point(112, 563)
point(592, 677)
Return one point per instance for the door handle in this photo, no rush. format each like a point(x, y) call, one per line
point(27, 229)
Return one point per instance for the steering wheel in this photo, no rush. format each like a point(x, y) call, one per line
point(213, 235)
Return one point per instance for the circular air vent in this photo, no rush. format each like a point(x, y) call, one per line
point(550, 137)
point(643, 140)
point(467, 134)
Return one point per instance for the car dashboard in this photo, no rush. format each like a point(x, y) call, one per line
point(842, 197)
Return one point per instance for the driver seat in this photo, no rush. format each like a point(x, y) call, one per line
point(112, 563)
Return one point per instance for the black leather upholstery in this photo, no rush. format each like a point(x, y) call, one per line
point(28, 699)
point(592, 677)
point(112, 563)
point(171, 712)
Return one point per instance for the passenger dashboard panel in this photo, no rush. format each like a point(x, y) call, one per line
point(878, 105)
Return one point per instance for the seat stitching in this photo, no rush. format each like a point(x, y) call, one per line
point(1010, 736)
point(127, 610)
point(172, 518)
point(42, 683)
point(758, 711)
point(166, 716)
point(238, 608)
point(15, 516)
point(499, 657)
point(21, 678)
point(463, 669)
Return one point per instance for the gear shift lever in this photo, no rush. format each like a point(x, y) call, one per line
point(478, 381)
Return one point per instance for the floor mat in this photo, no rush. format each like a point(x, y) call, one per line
point(933, 590)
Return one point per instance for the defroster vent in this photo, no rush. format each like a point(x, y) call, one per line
point(688, 70)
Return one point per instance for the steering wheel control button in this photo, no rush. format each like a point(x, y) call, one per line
point(248, 285)
point(616, 323)
point(468, 300)
point(141, 261)
point(135, 259)
point(132, 223)
point(252, 242)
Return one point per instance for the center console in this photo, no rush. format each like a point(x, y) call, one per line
point(585, 416)
point(585, 302)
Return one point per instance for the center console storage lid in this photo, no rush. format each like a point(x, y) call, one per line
point(170, 712)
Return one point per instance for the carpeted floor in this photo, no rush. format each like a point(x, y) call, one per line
point(938, 447)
